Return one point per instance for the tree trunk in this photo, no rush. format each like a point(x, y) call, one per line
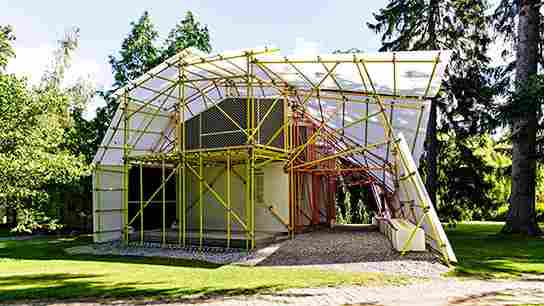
point(432, 152)
point(521, 214)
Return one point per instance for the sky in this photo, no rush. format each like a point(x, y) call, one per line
point(301, 26)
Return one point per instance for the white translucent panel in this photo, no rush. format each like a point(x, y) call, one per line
point(157, 84)
point(171, 73)
point(350, 77)
point(141, 94)
point(109, 156)
point(236, 66)
point(413, 79)
point(170, 102)
point(196, 107)
point(381, 77)
point(143, 132)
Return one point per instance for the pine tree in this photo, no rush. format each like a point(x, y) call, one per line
point(460, 26)
point(141, 51)
point(187, 33)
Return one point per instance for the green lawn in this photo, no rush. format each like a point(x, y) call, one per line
point(38, 269)
point(5, 231)
point(484, 253)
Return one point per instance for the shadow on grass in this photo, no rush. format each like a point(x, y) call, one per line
point(83, 287)
point(53, 248)
point(484, 253)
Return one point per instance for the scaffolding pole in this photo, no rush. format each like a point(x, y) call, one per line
point(228, 187)
point(126, 168)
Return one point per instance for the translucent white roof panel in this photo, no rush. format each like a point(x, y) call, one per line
point(345, 91)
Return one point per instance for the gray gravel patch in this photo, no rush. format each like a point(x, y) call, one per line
point(326, 249)
point(353, 252)
point(212, 255)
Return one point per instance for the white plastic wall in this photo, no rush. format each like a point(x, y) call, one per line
point(276, 194)
point(107, 204)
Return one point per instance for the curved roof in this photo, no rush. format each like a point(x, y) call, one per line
point(341, 89)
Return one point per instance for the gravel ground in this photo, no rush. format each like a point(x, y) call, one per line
point(354, 252)
point(343, 251)
point(213, 255)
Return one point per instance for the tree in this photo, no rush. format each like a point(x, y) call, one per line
point(432, 25)
point(187, 33)
point(31, 157)
point(33, 154)
point(140, 51)
point(473, 177)
point(6, 50)
point(523, 110)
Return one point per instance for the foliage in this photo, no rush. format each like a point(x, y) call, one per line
point(352, 205)
point(527, 98)
point(6, 50)
point(140, 51)
point(504, 25)
point(31, 154)
point(482, 253)
point(83, 276)
point(461, 26)
point(38, 155)
point(473, 177)
point(187, 33)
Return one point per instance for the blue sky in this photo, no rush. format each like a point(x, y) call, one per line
point(289, 25)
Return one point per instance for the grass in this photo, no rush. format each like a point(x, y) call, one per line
point(5, 231)
point(40, 269)
point(484, 253)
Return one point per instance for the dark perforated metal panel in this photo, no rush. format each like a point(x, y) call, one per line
point(224, 140)
point(220, 131)
point(271, 123)
point(192, 128)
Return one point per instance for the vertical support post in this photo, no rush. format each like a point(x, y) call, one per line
point(290, 181)
point(228, 199)
point(126, 126)
point(253, 156)
point(201, 196)
point(141, 203)
point(163, 202)
point(250, 160)
point(248, 199)
point(98, 208)
point(252, 202)
point(182, 174)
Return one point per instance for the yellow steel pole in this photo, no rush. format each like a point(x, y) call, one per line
point(252, 131)
point(228, 199)
point(201, 193)
point(126, 126)
point(141, 204)
point(163, 203)
point(182, 173)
